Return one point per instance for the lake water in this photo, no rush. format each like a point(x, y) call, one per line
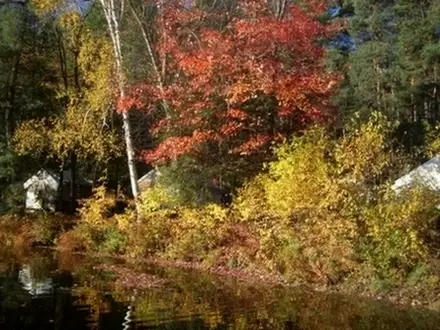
point(43, 290)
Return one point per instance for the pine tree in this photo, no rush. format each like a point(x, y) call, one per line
point(394, 66)
point(368, 67)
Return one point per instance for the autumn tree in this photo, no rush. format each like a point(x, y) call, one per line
point(113, 12)
point(238, 79)
point(83, 129)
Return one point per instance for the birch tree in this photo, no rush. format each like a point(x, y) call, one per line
point(113, 12)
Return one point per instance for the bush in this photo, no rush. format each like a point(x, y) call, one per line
point(151, 235)
point(397, 231)
point(114, 241)
point(98, 228)
point(299, 181)
point(196, 232)
point(324, 209)
point(71, 241)
point(46, 227)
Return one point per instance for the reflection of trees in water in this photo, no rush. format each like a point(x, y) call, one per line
point(94, 300)
point(34, 294)
point(193, 300)
point(188, 300)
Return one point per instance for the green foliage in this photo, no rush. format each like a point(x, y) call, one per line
point(12, 170)
point(394, 67)
point(11, 27)
point(114, 241)
point(187, 181)
point(45, 228)
point(12, 198)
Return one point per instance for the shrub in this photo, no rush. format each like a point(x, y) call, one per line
point(98, 228)
point(95, 210)
point(45, 228)
point(156, 198)
point(324, 209)
point(151, 235)
point(71, 241)
point(114, 241)
point(299, 181)
point(397, 231)
point(196, 232)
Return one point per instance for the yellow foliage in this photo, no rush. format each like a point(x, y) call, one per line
point(72, 132)
point(32, 137)
point(250, 203)
point(46, 6)
point(328, 216)
point(362, 154)
point(86, 136)
point(72, 25)
point(98, 226)
point(432, 140)
point(396, 229)
point(155, 198)
point(95, 210)
point(96, 63)
point(300, 180)
point(196, 232)
point(322, 212)
point(84, 128)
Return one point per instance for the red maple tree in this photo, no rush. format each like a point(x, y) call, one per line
point(237, 81)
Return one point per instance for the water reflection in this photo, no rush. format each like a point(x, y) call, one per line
point(47, 291)
point(32, 284)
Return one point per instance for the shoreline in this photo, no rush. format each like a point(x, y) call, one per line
point(395, 297)
point(398, 296)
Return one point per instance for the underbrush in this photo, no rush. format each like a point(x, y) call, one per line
point(97, 229)
point(324, 212)
point(19, 232)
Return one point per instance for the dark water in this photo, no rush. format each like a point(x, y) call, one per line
point(43, 290)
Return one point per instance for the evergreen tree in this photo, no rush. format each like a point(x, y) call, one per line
point(368, 83)
point(394, 66)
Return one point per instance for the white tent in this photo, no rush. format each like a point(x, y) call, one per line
point(42, 189)
point(426, 175)
point(149, 179)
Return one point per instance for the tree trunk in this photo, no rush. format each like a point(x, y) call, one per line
point(111, 15)
point(73, 185)
point(10, 97)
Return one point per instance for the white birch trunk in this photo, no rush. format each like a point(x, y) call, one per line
point(113, 16)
